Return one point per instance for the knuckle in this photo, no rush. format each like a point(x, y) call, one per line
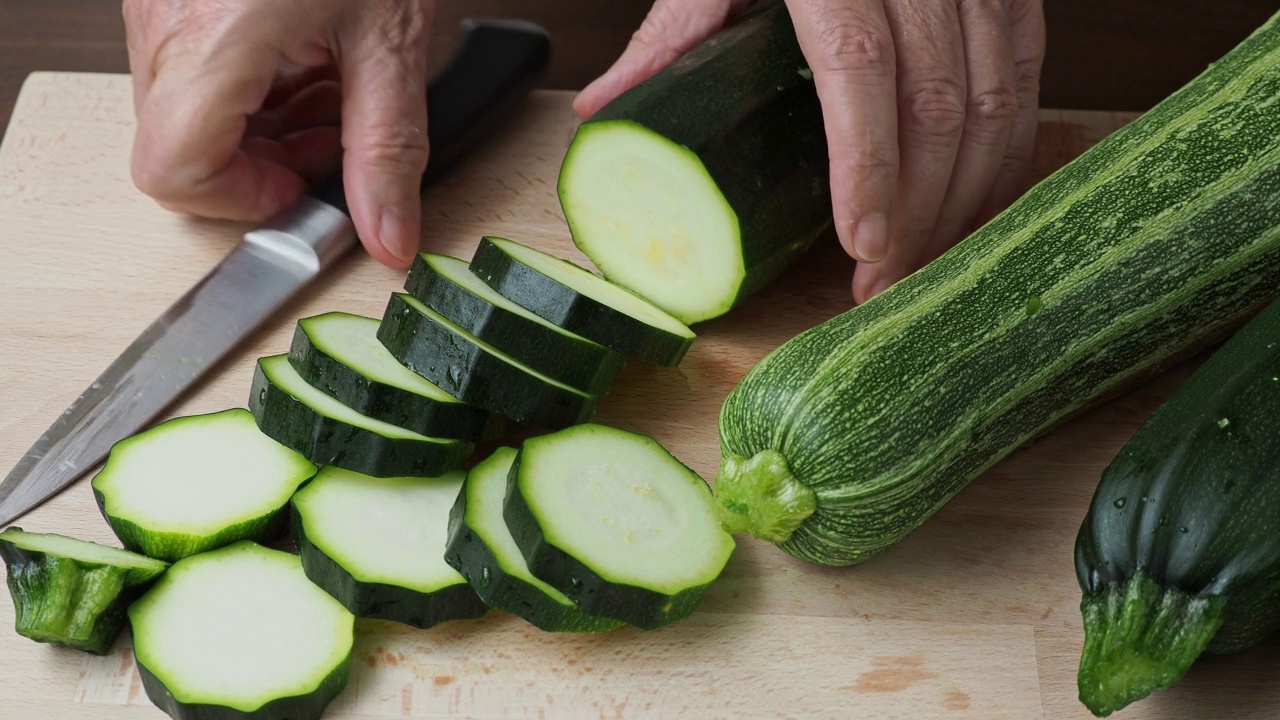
point(395, 146)
point(847, 44)
point(993, 108)
point(935, 108)
point(869, 163)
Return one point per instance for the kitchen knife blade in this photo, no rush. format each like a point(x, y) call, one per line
point(494, 67)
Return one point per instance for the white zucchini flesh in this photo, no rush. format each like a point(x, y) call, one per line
point(595, 287)
point(383, 530)
point(239, 627)
point(82, 551)
point(199, 475)
point(652, 220)
point(353, 341)
point(623, 506)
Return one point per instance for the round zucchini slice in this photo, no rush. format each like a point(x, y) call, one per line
point(70, 592)
point(616, 523)
point(327, 432)
point(240, 632)
point(378, 544)
point(482, 549)
point(581, 302)
point(474, 371)
point(339, 353)
point(445, 284)
point(196, 483)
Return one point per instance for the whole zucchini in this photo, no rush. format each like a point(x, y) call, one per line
point(1152, 244)
point(1180, 551)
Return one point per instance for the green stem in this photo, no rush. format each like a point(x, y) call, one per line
point(761, 497)
point(1140, 637)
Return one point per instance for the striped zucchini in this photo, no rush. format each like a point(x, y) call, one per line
point(1155, 243)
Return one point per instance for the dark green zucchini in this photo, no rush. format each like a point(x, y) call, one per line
point(445, 284)
point(1180, 551)
point(69, 592)
point(378, 545)
point(340, 354)
point(613, 521)
point(327, 432)
point(483, 550)
point(698, 186)
point(475, 372)
point(581, 302)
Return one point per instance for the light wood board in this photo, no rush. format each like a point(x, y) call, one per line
point(974, 616)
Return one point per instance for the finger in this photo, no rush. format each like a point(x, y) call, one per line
point(850, 51)
point(293, 80)
point(1026, 21)
point(187, 152)
point(319, 104)
point(311, 153)
point(989, 116)
point(672, 28)
point(384, 124)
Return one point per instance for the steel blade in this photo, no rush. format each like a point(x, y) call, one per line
point(266, 269)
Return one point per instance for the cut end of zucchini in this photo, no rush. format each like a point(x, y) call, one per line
point(760, 496)
point(1140, 637)
point(140, 568)
point(649, 215)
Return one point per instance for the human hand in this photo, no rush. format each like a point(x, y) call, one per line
point(929, 109)
point(240, 104)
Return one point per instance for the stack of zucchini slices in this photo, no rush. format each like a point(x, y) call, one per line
point(355, 441)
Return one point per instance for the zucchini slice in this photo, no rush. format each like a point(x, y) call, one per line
point(340, 354)
point(445, 284)
point(475, 372)
point(581, 302)
point(377, 545)
point(240, 633)
point(329, 433)
point(700, 185)
point(483, 550)
point(196, 483)
point(72, 592)
point(612, 520)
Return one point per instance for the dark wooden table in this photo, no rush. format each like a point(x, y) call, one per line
point(1103, 54)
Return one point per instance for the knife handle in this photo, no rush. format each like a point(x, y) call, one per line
point(495, 66)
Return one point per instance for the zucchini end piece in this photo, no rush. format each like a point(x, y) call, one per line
point(1140, 637)
point(760, 497)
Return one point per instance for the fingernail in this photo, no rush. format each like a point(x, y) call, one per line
point(871, 240)
point(396, 237)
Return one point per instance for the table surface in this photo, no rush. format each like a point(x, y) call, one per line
point(974, 616)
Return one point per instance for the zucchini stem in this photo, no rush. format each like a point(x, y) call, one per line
point(760, 496)
point(1140, 637)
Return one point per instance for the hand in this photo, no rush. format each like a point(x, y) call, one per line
point(241, 103)
point(929, 108)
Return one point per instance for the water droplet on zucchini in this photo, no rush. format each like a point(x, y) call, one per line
point(1120, 502)
point(485, 577)
point(575, 583)
point(1034, 304)
point(1223, 423)
point(1183, 530)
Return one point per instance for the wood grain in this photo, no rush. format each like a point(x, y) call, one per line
point(974, 616)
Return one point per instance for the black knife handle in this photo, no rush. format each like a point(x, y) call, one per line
point(495, 66)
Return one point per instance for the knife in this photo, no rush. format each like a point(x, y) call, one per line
point(494, 67)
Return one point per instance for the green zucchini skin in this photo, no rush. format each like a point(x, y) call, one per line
point(310, 706)
point(326, 441)
point(745, 104)
point(473, 375)
point(386, 402)
point(1150, 246)
point(1187, 516)
point(64, 602)
point(572, 360)
point(379, 600)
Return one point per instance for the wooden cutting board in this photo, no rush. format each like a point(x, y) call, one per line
point(974, 616)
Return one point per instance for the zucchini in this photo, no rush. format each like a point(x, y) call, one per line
point(327, 432)
point(340, 354)
point(445, 284)
point(377, 545)
point(239, 633)
point(69, 592)
point(700, 185)
point(613, 521)
point(581, 302)
point(196, 483)
point(1152, 245)
point(473, 371)
point(483, 550)
point(1180, 551)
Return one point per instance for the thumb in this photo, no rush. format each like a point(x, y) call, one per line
point(672, 28)
point(383, 61)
